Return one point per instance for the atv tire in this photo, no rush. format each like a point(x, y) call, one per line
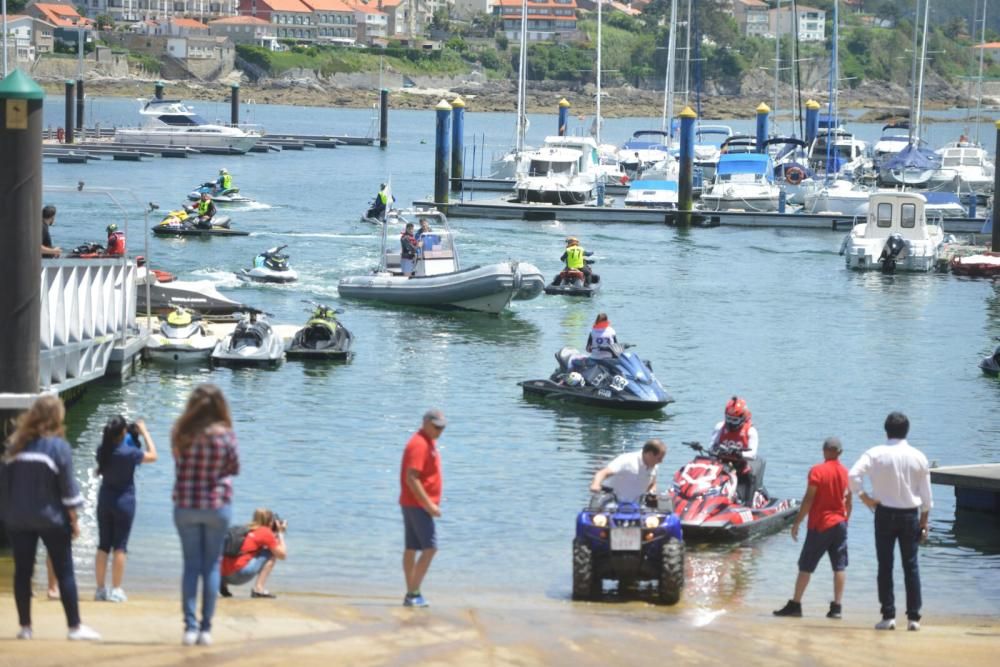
point(671, 572)
point(585, 585)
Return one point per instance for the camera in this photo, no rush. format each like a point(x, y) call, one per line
point(133, 430)
point(278, 524)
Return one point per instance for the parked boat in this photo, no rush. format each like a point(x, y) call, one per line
point(965, 168)
point(895, 236)
point(895, 137)
point(913, 166)
point(182, 338)
point(199, 297)
point(439, 281)
point(644, 149)
point(652, 194)
point(172, 123)
point(707, 147)
point(564, 171)
point(980, 265)
point(743, 181)
point(836, 152)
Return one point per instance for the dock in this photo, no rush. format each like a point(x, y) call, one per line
point(977, 486)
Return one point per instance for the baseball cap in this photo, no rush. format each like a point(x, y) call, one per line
point(833, 443)
point(436, 417)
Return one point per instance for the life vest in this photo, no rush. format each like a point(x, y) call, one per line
point(116, 243)
point(740, 438)
point(226, 181)
point(203, 206)
point(383, 197)
point(602, 337)
point(574, 257)
point(405, 252)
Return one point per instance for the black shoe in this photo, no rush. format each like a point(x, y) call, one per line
point(793, 608)
point(262, 594)
point(224, 590)
point(834, 611)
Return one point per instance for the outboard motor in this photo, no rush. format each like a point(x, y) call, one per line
point(894, 245)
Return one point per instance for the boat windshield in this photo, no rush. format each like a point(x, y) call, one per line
point(178, 120)
point(545, 167)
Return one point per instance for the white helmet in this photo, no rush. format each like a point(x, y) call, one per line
point(223, 171)
point(574, 379)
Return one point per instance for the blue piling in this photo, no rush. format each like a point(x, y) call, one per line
point(763, 116)
point(812, 120)
point(457, 142)
point(441, 149)
point(685, 190)
point(563, 116)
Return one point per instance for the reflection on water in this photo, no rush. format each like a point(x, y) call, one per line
point(970, 530)
point(719, 576)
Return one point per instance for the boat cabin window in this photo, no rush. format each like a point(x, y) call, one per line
point(884, 215)
point(179, 120)
point(970, 159)
point(544, 168)
point(908, 216)
point(951, 162)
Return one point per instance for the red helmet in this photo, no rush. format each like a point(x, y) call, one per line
point(736, 413)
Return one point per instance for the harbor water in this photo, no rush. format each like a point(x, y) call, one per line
point(770, 315)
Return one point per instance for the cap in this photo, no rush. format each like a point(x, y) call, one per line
point(833, 442)
point(435, 417)
point(572, 239)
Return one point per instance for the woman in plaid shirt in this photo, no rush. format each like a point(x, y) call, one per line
point(206, 458)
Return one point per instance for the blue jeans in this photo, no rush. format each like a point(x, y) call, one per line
point(202, 533)
point(902, 525)
point(250, 570)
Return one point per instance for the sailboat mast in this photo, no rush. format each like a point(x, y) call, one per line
point(777, 59)
point(920, 77)
point(834, 79)
point(687, 56)
point(979, 80)
point(668, 89)
point(913, 73)
point(521, 75)
point(597, 134)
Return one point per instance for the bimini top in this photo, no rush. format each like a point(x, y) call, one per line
point(744, 163)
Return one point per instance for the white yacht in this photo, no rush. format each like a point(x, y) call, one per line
point(965, 168)
point(743, 181)
point(645, 148)
point(707, 147)
point(172, 123)
point(895, 137)
point(838, 152)
point(648, 193)
point(895, 235)
point(564, 171)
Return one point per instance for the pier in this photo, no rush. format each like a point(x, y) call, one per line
point(977, 487)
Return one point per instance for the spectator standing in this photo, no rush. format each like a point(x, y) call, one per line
point(827, 502)
point(206, 458)
point(262, 546)
point(49, 219)
point(901, 499)
point(420, 498)
point(39, 497)
point(118, 456)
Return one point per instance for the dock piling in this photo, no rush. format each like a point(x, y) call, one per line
point(234, 105)
point(70, 123)
point(457, 142)
point(158, 90)
point(441, 139)
point(685, 189)
point(21, 235)
point(996, 193)
point(763, 117)
point(79, 106)
point(563, 116)
point(812, 120)
point(383, 118)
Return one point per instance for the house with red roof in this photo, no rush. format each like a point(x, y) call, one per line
point(335, 21)
point(371, 23)
point(245, 30)
point(547, 19)
point(28, 36)
point(292, 19)
point(58, 14)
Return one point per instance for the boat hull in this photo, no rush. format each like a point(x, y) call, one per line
point(238, 143)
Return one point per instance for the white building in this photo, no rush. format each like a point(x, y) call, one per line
point(812, 23)
point(139, 10)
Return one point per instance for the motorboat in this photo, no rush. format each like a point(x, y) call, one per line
point(252, 343)
point(645, 148)
point(564, 171)
point(323, 337)
point(738, 143)
point(172, 123)
point(184, 222)
point(837, 153)
point(707, 147)
point(980, 265)
point(895, 235)
point(622, 382)
point(230, 196)
point(965, 168)
point(182, 338)
point(895, 137)
point(743, 181)
point(913, 166)
point(270, 266)
point(439, 280)
point(652, 194)
point(837, 196)
point(199, 297)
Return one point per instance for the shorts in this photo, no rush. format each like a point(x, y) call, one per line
point(419, 527)
point(407, 265)
point(832, 541)
point(250, 570)
point(115, 513)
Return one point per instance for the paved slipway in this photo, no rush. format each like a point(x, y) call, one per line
point(322, 630)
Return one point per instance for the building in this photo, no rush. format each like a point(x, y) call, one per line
point(28, 37)
point(466, 9)
point(291, 18)
point(335, 21)
point(753, 18)
point(547, 19)
point(811, 22)
point(397, 16)
point(59, 15)
point(371, 24)
point(245, 30)
point(141, 10)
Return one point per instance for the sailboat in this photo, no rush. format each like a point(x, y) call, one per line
point(507, 166)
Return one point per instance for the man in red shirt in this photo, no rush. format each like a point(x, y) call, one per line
point(828, 504)
point(420, 499)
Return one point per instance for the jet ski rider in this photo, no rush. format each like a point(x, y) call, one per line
point(206, 211)
point(224, 182)
point(738, 430)
point(602, 338)
point(116, 241)
point(573, 260)
point(381, 204)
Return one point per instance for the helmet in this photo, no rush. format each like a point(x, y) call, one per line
point(572, 240)
point(112, 228)
point(223, 171)
point(736, 412)
point(574, 379)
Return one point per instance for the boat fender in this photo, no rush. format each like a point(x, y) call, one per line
point(794, 175)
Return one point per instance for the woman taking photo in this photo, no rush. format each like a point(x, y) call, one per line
point(206, 458)
point(117, 458)
point(39, 497)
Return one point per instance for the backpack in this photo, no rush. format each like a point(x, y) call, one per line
point(232, 545)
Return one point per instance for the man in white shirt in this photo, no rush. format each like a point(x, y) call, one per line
point(632, 475)
point(901, 499)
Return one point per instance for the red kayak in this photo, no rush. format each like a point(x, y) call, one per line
point(981, 265)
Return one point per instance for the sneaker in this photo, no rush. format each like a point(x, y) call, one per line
point(224, 590)
point(117, 595)
point(834, 610)
point(415, 601)
point(913, 626)
point(886, 624)
point(204, 639)
point(791, 608)
point(262, 594)
point(101, 595)
point(190, 637)
point(24, 632)
point(83, 633)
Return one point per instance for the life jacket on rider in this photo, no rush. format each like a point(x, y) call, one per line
point(574, 258)
point(225, 182)
point(602, 338)
point(116, 241)
point(737, 431)
point(205, 208)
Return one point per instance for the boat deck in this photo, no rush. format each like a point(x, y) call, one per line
point(976, 486)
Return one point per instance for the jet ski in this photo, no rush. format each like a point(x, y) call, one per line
point(323, 337)
point(269, 266)
point(252, 343)
point(393, 216)
point(90, 250)
point(991, 365)
point(573, 282)
point(230, 196)
point(182, 338)
point(707, 503)
point(184, 222)
point(623, 381)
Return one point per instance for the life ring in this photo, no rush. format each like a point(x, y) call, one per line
point(624, 179)
point(60, 135)
point(794, 175)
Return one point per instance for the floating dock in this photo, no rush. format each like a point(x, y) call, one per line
point(977, 487)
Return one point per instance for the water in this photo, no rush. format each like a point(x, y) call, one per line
point(771, 315)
